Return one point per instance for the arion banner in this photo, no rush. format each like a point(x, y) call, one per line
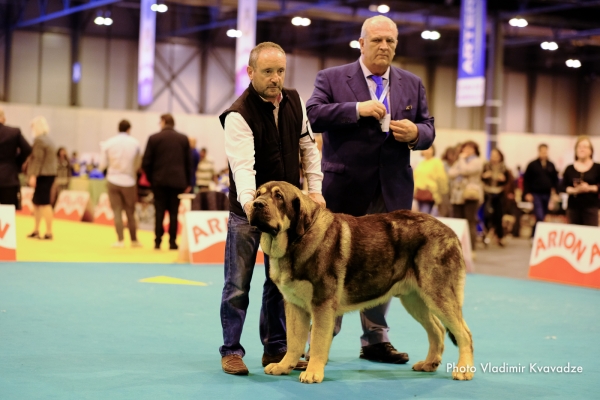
point(568, 254)
point(461, 228)
point(8, 233)
point(207, 233)
point(73, 205)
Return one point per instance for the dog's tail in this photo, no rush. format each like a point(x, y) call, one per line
point(451, 336)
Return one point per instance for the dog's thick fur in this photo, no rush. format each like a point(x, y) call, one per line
point(326, 264)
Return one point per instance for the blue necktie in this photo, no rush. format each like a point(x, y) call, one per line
point(379, 81)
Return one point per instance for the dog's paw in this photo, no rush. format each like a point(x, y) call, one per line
point(463, 376)
point(312, 376)
point(278, 369)
point(426, 366)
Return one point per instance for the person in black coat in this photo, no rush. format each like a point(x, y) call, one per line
point(167, 163)
point(14, 150)
point(539, 182)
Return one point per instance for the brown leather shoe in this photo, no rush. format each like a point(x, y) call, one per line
point(234, 365)
point(383, 352)
point(267, 359)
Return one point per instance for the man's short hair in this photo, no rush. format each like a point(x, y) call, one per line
point(124, 125)
point(377, 18)
point(542, 145)
point(168, 120)
point(262, 46)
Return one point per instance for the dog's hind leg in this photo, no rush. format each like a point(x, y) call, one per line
point(446, 305)
point(297, 324)
point(416, 307)
point(323, 319)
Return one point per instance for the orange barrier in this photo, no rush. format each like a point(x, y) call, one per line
point(73, 205)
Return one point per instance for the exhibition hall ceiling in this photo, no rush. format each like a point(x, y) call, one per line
point(573, 26)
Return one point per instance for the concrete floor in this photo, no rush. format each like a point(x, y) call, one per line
point(511, 261)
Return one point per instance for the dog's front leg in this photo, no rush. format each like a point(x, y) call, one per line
point(297, 323)
point(320, 342)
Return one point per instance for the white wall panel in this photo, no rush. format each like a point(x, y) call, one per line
point(542, 105)
point(593, 123)
point(514, 102)
point(93, 72)
point(2, 50)
point(443, 98)
point(220, 85)
point(56, 69)
point(122, 74)
point(304, 69)
point(24, 67)
point(564, 106)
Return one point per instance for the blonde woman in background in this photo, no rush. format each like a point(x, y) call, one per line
point(467, 189)
point(41, 170)
point(431, 181)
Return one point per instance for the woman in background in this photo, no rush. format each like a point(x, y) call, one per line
point(41, 170)
point(581, 181)
point(466, 188)
point(63, 173)
point(431, 181)
point(496, 178)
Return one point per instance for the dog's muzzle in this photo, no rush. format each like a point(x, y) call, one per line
point(260, 217)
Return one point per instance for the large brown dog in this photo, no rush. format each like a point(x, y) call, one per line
point(326, 264)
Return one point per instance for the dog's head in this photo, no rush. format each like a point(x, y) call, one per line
point(281, 207)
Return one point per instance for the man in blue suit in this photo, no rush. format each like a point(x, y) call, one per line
point(372, 115)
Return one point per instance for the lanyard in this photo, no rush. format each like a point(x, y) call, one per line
point(386, 89)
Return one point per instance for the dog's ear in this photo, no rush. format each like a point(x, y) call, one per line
point(302, 216)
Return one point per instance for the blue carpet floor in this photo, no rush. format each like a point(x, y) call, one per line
point(93, 331)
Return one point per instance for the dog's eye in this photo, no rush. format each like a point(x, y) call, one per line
point(278, 196)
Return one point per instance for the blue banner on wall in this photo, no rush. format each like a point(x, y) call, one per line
point(146, 53)
point(470, 87)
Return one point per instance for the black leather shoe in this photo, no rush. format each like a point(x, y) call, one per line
point(383, 352)
point(173, 246)
point(267, 359)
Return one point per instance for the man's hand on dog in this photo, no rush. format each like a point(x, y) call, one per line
point(318, 198)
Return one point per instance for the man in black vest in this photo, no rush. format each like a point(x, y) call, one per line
point(266, 129)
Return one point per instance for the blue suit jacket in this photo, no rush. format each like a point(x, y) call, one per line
point(357, 156)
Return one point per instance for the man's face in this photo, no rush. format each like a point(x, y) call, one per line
point(543, 153)
point(378, 47)
point(268, 74)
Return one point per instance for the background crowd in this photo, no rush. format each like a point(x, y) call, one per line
point(462, 184)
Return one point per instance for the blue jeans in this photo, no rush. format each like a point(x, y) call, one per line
point(240, 256)
point(540, 208)
point(425, 206)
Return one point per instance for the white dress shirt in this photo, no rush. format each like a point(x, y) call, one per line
point(239, 147)
point(121, 154)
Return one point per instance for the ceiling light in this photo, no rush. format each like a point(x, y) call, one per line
point(573, 63)
point(234, 33)
point(383, 9)
point(549, 46)
point(355, 44)
point(154, 7)
point(373, 7)
point(108, 21)
point(99, 20)
point(518, 22)
point(161, 8)
point(430, 35)
point(299, 21)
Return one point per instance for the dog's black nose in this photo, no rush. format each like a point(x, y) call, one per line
point(258, 204)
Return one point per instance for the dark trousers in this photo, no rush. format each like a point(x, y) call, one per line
point(583, 216)
point(468, 211)
point(10, 195)
point(540, 208)
point(165, 199)
point(123, 198)
point(494, 212)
